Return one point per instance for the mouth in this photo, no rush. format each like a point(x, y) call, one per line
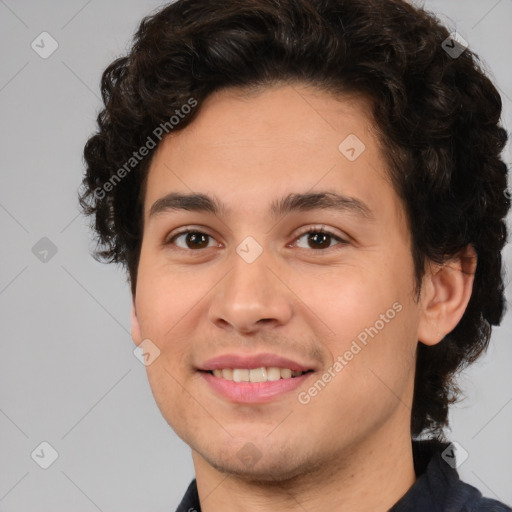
point(261, 374)
point(253, 379)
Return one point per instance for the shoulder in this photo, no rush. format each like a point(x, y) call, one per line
point(438, 487)
point(470, 499)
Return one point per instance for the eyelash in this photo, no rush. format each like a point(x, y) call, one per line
point(313, 229)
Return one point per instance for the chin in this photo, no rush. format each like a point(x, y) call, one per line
point(268, 468)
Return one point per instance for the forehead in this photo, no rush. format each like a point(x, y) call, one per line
point(250, 148)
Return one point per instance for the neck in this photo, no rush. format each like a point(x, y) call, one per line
point(370, 476)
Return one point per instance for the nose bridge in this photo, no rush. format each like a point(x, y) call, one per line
point(250, 292)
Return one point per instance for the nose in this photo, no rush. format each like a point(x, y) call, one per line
point(251, 297)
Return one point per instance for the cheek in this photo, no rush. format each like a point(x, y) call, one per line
point(163, 296)
point(348, 298)
point(371, 376)
point(374, 319)
point(165, 302)
point(178, 406)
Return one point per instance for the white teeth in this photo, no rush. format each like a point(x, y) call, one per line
point(227, 373)
point(273, 373)
point(286, 373)
point(258, 375)
point(262, 374)
point(240, 375)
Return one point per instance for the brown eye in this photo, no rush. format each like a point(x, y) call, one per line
point(320, 239)
point(191, 239)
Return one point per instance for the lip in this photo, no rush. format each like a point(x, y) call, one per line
point(253, 361)
point(252, 392)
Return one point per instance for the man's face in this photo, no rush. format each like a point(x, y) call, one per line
point(255, 281)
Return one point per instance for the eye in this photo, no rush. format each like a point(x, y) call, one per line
point(320, 238)
point(191, 239)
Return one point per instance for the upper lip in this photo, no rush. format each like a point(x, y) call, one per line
point(253, 361)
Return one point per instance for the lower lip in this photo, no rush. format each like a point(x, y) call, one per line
point(253, 392)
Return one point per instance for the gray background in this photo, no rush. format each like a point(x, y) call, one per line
point(68, 375)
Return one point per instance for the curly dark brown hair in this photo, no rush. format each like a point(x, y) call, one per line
point(437, 118)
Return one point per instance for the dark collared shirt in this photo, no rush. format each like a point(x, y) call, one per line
point(438, 487)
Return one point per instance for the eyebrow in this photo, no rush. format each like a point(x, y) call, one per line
point(294, 202)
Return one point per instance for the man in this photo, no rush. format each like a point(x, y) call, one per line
point(310, 201)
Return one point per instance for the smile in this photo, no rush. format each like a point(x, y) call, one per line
point(248, 391)
point(262, 374)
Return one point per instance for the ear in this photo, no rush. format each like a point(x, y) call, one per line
point(136, 330)
point(446, 290)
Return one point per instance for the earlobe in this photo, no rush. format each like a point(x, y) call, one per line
point(135, 327)
point(446, 292)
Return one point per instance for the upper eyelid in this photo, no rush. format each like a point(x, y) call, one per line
point(320, 228)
